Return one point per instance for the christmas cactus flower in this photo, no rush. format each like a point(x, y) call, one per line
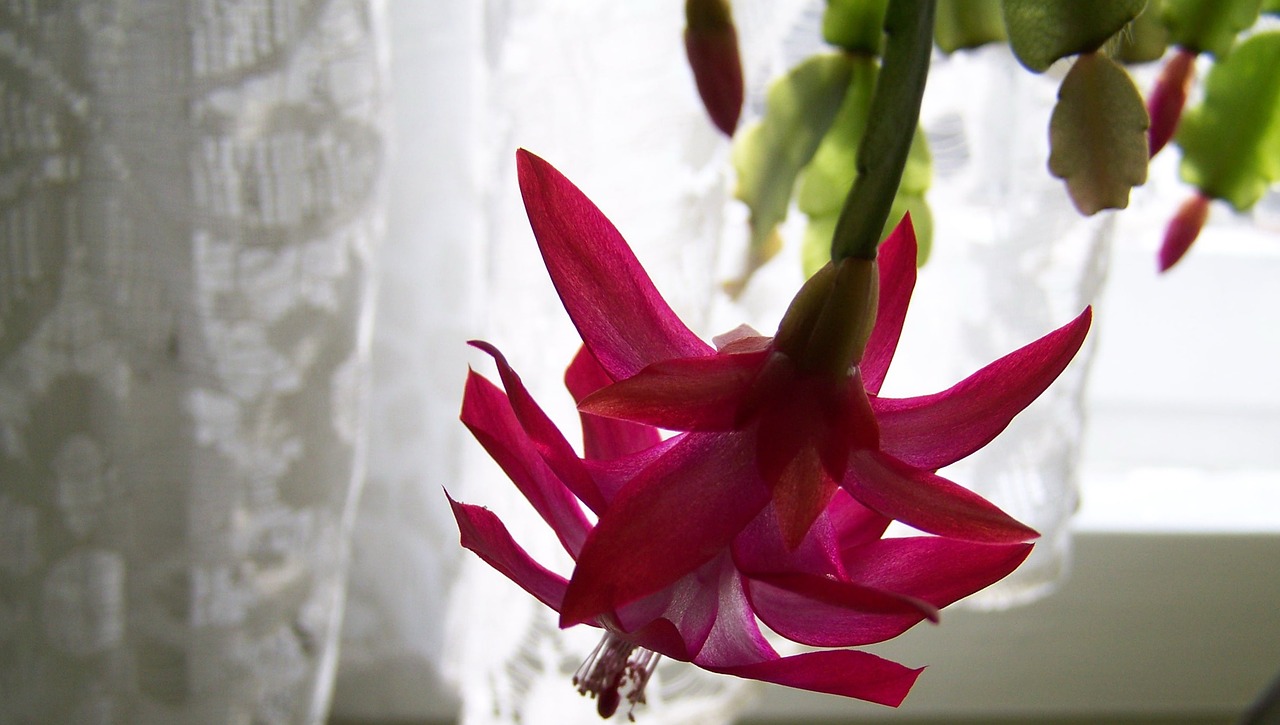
point(782, 422)
point(769, 502)
point(842, 586)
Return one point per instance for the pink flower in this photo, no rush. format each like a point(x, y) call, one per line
point(842, 586)
point(785, 420)
point(771, 500)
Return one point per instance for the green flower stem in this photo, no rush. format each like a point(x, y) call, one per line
point(893, 117)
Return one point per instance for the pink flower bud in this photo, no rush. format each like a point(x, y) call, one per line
point(711, 43)
point(1183, 230)
point(1168, 97)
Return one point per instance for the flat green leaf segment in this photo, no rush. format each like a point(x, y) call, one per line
point(962, 24)
point(1042, 31)
point(768, 156)
point(826, 182)
point(855, 25)
point(1098, 135)
point(1145, 39)
point(1231, 142)
point(1208, 27)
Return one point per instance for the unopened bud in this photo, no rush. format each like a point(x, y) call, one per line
point(711, 44)
point(1183, 230)
point(1168, 97)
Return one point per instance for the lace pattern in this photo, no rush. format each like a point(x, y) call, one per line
point(188, 222)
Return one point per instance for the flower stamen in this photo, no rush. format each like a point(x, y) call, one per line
point(613, 666)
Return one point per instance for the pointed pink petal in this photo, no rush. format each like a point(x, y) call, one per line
point(735, 637)
point(613, 474)
point(928, 502)
point(483, 533)
point(677, 515)
point(692, 604)
point(761, 548)
point(824, 623)
point(849, 673)
point(603, 438)
point(606, 292)
point(897, 262)
point(933, 431)
point(849, 594)
point(487, 412)
point(662, 637)
point(690, 394)
point(852, 522)
point(544, 435)
point(934, 570)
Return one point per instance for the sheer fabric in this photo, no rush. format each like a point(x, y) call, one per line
point(191, 202)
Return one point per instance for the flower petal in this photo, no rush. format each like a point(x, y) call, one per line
point(859, 615)
point(690, 394)
point(613, 474)
point(603, 438)
point(606, 292)
point(692, 604)
point(928, 502)
point(762, 549)
point(934, 570)
point(483, 533)
point(735, 637)
point(675, 516)
point(897, 262)
point(850, 673)
point(486, 411)
point(933, 431)
point(545, 436)
point(852, 522)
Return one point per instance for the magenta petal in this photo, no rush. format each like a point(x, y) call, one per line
point(612, 474)
point(692, 604)
point(896, 260)
point(823, 623)
point(545, 436)
point(606, 292)
point(662, 637)
point(483, 533)
point(690, 394)
point(761, 549)
point(928, 502)
point(677, 515)
point(487, 412)
point(603, 438)
point(838, 672)
point(735, 637)
point(848, 594)
point(935, 569)
point(937, 430)
point(852, 522)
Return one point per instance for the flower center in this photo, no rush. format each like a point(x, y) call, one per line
point(613, 666)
